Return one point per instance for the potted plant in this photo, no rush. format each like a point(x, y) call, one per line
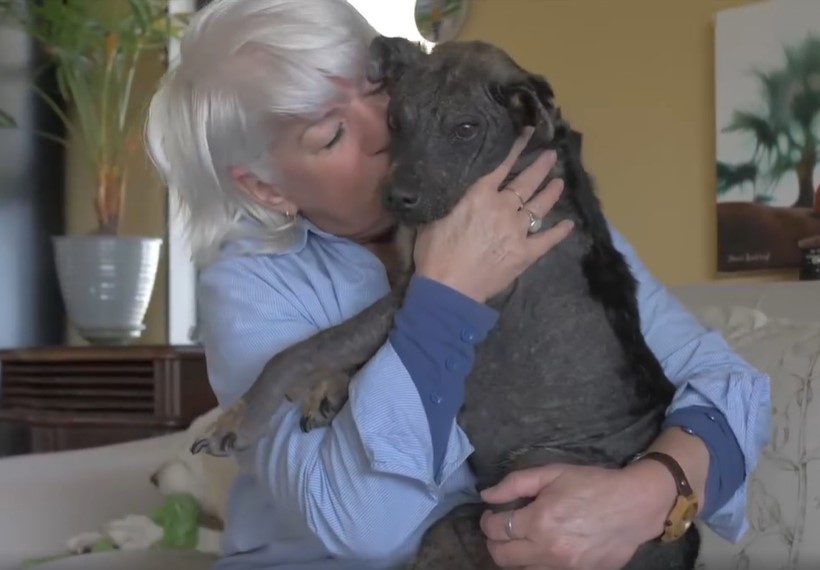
point(106, 278)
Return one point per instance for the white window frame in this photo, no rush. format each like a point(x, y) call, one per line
point(181, 271)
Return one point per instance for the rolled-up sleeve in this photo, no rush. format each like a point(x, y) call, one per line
point(364, 484)
point(707, 373)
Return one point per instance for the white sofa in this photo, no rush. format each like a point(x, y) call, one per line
point(45, 499)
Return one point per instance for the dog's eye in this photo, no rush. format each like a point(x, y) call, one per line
point(466, 131)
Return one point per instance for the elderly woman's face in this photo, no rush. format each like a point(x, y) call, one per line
point(331, 169)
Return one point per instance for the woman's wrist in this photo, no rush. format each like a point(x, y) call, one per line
point(469, 288)
point(653, 484)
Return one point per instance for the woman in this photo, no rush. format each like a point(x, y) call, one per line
point(276, 145)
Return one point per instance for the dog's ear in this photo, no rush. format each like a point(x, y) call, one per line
point(531, 102)
point(389, 57)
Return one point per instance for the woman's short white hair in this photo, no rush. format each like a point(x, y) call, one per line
point(243, 66)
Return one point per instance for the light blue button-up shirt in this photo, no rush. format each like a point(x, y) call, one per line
point(360, 494)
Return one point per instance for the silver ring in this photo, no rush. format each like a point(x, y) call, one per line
point(508, 527)
point(535, 222)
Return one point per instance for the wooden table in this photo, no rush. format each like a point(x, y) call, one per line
point(77, 397)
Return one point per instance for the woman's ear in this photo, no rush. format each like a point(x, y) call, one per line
point(263, 193)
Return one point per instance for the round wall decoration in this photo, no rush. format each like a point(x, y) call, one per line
point(440, 20)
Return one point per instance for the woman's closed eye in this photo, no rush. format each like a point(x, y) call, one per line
point(337, 135)
point(376, 88)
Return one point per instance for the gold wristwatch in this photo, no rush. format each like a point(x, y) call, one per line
point(685, 509)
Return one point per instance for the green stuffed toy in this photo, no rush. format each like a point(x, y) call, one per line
point(177, 516)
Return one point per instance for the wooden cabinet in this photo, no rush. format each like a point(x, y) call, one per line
point(76, 397)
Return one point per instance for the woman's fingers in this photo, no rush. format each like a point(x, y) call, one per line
point(544, 201)
point(543, 241)
point(532, 177)
point(495, 178)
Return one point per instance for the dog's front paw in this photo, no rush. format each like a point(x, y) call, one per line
point(231, 431)
point(322, 399)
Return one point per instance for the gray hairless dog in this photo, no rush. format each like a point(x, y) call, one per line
point(565, 375)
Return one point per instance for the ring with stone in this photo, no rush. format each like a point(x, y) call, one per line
point(535, 221)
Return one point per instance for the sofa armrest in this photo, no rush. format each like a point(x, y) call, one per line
point(47, 498)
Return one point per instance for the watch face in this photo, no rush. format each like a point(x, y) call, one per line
point(440, 20)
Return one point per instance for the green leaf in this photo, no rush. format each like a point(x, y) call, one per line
point(6, 120)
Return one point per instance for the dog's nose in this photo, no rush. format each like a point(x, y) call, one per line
point(401, 199)
point(155, 480)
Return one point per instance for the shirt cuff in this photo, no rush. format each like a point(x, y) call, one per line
point(434, 334)
point(726, 462)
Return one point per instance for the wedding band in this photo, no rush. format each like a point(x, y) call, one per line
point(508, 527)
point(517, 195)
point(535, 222)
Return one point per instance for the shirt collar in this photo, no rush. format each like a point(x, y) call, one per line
point(299, 233)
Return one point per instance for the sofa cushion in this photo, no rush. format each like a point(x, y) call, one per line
point(784, 490)
point(134, 560)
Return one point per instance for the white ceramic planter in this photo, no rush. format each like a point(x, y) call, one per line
point(106, 283)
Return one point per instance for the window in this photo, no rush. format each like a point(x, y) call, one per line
point(395, 18)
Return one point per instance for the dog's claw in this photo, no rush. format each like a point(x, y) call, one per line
point(324, 407)
point(229, 442)
point(201, 445)
point(324, 400)
point(225, 433)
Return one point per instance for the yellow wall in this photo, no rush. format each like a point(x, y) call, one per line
point(144, 212)
point(637, 78)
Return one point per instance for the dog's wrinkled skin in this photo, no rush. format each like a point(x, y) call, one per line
point(565, 376)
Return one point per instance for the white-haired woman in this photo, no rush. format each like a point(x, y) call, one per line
point(276, 145)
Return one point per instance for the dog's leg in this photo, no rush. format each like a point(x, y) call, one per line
point(339, 348)
point(324, 395)
point(321, 363)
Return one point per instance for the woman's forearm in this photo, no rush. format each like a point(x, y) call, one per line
point(434, 335)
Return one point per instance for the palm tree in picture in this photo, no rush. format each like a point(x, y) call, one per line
point(787, 133)
point(784, 132)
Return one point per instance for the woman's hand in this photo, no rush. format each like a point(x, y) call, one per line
point(582, 518)
point(482, 245)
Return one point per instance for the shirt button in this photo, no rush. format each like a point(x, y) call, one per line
point(452, 364)
point(469, 335)
point(711, 417)
point(436, 398)
point(688, 430)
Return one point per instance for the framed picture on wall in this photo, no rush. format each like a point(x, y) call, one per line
point(768, 133)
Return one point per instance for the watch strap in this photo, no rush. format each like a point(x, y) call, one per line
point(681, 482)
point(683, 512)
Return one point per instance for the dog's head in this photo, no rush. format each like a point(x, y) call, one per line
point(206, 478)
point(454, 114)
